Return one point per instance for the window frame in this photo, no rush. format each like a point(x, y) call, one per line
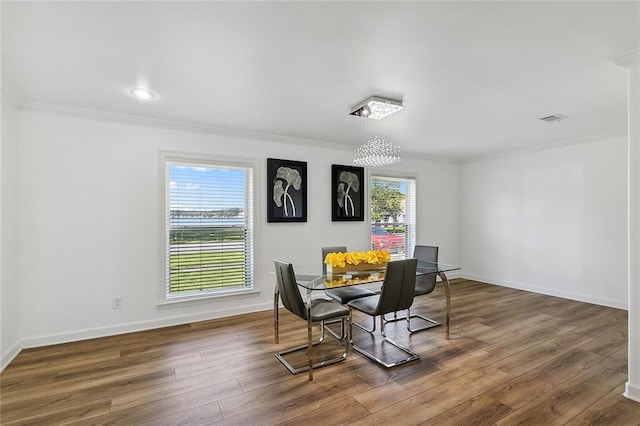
point(206, 160)
point(393, 175)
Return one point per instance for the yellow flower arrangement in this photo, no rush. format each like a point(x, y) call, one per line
point(372, 257)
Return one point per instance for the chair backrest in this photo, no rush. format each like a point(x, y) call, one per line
point(327, 250)
point(398, 287)
point(288, 288)
point(426, 283)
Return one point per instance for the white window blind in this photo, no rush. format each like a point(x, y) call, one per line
point(209, 225)
point(393, 215)
point(410, 217)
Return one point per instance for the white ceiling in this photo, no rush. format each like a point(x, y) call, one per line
point(474, 76)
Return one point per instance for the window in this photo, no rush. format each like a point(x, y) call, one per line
point(209, 228)
point(393, 215)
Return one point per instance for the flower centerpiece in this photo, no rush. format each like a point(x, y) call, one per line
point(338, 263)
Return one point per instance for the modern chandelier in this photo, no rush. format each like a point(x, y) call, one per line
point(376, 152)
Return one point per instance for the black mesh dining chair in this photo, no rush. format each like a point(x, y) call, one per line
point(398, 290)
point(319, 311)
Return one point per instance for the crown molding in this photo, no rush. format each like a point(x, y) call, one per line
point(201, 128)
point(176, 125)
point(627, 59)
point(219, 131)
point(12, 95)
point(617, 133)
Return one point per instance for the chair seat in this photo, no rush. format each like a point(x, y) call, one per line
point(368, 304)
point(347, 294)
point(322, 310)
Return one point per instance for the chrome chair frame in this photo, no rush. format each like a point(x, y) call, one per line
point(293, 370)
point(412, 355)
point(292, 300)
point(395, 296)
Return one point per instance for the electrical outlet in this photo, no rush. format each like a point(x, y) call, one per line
point(116, 303)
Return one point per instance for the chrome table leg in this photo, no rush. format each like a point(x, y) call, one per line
point(445, 282)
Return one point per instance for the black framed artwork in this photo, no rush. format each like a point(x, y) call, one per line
point(286, 190)
point(347, 193)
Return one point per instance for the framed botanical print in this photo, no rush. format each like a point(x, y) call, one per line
point(347, 193)
point(286, 190)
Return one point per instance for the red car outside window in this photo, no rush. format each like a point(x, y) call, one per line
point(381, 239)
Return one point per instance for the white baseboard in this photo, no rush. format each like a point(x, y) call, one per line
point(9, 355)
point(632, 392)
point(92, 333)
point(549, 291)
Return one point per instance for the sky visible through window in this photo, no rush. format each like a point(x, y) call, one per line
point(206, 188)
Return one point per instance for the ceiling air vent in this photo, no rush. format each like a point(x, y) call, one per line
point(554, 117)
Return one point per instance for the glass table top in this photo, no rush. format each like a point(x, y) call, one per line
point(311, 277)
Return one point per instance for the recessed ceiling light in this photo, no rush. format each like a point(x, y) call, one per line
point(143, 94)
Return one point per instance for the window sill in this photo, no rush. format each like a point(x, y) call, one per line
point(198, 300)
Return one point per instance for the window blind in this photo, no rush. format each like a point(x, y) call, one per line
point(410, 217)
point(209, 224)
point(393, 215)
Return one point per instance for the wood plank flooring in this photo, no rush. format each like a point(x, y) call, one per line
point(513, 358)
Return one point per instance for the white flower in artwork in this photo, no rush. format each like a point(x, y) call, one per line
point(290, 177)
point(348, 181)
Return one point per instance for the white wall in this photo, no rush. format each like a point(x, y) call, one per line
point(438, 211)
point(551, 221)
point(91, 224)
point(9, 316)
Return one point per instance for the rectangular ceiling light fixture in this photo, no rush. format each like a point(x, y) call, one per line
point(376, 108)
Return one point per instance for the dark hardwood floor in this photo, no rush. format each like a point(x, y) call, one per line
point(513, 358)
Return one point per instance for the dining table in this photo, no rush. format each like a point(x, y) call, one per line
point(312, 280)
